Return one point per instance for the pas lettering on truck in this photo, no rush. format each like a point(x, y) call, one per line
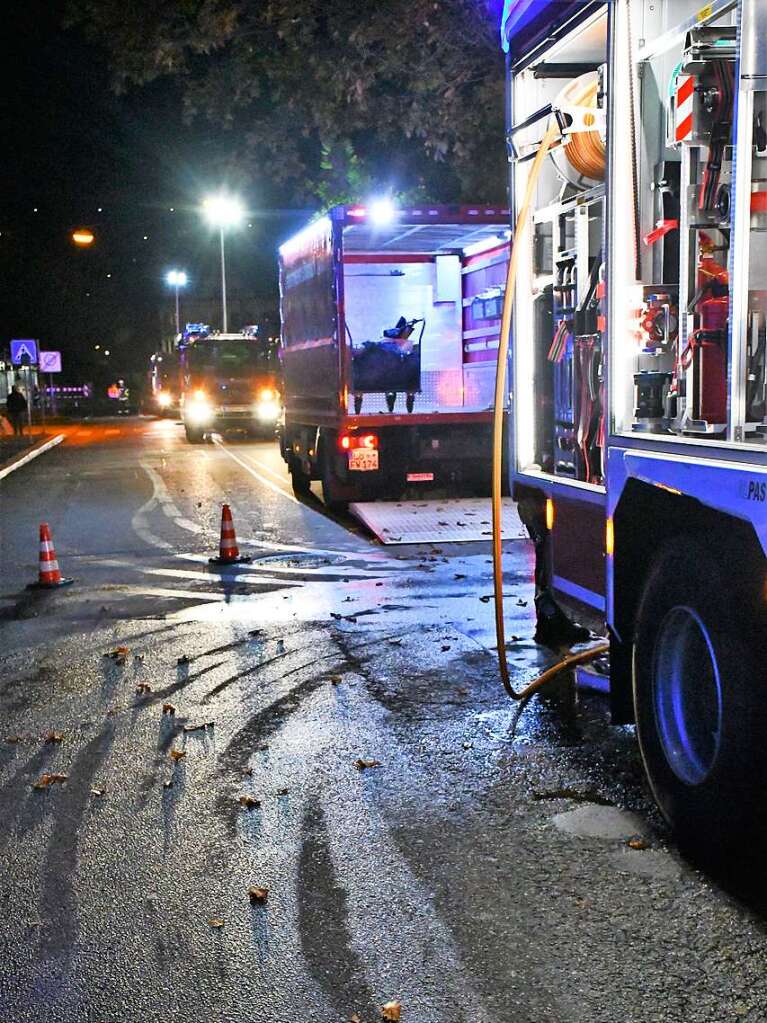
point(753, 490)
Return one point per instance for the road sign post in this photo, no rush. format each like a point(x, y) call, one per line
point(50, 362)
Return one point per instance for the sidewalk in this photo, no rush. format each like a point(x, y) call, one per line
point(10, 446)
point(16, 451)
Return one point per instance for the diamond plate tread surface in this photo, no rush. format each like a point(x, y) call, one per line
point(447, 521)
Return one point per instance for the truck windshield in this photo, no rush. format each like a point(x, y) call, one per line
point(233, 358)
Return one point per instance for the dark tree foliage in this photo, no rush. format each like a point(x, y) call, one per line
point(327, 99)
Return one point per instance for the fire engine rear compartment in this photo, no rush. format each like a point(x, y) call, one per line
point(448, 276)
point(416, 313)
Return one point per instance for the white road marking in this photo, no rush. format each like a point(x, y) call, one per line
point(30, 455)
point(256, 475)
point(140, 521)
point(159, 591)
point(213, 576)
point(279, 476)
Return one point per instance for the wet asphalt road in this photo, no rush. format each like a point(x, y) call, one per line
point(478, 874)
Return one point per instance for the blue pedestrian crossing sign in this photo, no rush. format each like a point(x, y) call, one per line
point(24, 353)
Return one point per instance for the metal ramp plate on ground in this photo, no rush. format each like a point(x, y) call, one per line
point(448, 521)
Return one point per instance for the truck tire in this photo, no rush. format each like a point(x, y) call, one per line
point(302, 481)
point(700, 677)
point(335, 493)
point(194, 435)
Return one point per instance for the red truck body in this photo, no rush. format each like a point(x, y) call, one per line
point(345, 282)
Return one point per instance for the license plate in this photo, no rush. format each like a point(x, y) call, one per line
point(363, 460)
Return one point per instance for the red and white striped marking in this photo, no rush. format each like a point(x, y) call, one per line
point(49, 574)
point(685, 97)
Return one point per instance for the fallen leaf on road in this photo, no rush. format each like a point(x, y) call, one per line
point(142, 688)
point(168, 708)
point(638, 843)
point(51, 737)
point(335, 679)
point(215, 921)
point(97, 792)
point(258, 894)
point(50, 779)
point(198, 728)
point(177, 754)
point(248, 801)
point(362, 764)
point(118, 654)
point(391, 1011)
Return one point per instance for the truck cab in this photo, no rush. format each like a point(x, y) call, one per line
point(229, 382)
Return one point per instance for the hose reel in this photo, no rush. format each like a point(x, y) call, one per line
point(580, 159)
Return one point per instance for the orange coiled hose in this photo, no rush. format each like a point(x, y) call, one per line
point(586, 150)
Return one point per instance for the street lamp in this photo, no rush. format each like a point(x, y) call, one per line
point(176, 279)
point(223, 211)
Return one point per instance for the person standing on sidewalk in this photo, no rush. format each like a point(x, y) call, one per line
point(16, 410)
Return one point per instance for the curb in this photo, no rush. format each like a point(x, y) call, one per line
point(8, 467)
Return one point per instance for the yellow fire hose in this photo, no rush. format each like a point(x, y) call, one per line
point(552, 133)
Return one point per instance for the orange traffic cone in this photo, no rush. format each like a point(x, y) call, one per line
point(228, 551)
point(49, 576)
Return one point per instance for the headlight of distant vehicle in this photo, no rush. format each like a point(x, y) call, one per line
point(267, 409)
point(164, 399)
point(198, 410)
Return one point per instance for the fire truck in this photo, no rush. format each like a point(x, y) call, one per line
point(390, 320)
point(638, 450)
point(228, 382)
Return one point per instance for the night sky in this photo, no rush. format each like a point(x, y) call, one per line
point(83, 157)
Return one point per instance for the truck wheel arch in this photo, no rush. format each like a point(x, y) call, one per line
point(646, 518)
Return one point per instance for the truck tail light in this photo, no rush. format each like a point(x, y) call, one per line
point(350, 441)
